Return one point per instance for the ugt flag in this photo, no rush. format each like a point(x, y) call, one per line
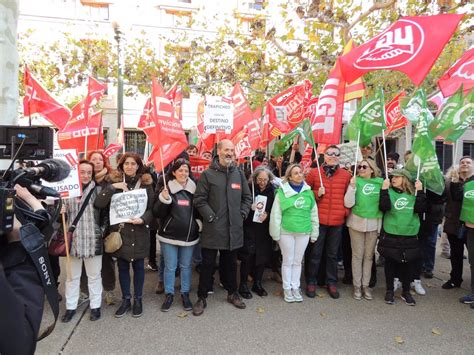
point(410, 45)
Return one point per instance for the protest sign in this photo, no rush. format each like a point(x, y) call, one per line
point(260, 204)
point(71, 186)
point(127, 205)
point(218, 115)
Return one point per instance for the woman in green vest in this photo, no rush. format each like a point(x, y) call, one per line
point(401, 203)
point(364, 223)
point(293, 222)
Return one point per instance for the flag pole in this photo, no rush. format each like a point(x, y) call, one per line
point(66, 242)
point(251, 174)
point(384, 154)
point(418, 177)
point(100, 132)
point(145, 152)
point(162, 168)
point(357, 154)
point(85, 141)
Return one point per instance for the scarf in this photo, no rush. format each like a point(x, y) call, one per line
point(84, 238)
point(330, 170)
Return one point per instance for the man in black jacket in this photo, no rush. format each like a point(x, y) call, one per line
point(223, 199)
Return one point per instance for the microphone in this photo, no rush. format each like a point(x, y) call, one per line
point(51, 170)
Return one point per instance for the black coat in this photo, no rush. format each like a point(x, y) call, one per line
point(223, 199)
point(257, 239)
point(178, 217)
point(135, 237)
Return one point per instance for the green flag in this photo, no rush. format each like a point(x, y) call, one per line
point(303, 129)
point(443, 124)
point(369, 120)
point(415, 106)
point(424, 156)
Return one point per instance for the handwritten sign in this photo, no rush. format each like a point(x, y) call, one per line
point(128, 205)
point(71, 186)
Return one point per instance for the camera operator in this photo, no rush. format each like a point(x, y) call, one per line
point(25, 276)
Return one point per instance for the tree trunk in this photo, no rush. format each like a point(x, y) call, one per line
point(8, 61)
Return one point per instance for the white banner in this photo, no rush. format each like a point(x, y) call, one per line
point(348, 154)
point(218, 115)
point(71, 186)
point(128, 205)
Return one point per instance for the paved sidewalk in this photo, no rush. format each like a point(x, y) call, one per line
point(438, 324)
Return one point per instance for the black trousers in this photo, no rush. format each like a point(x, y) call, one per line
point(457, 254)
point(404, 271)
point(152, 255)
point(227, 270)
point(247, 267)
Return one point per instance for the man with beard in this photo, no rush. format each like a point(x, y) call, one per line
point(223, 199)
point(392, 161)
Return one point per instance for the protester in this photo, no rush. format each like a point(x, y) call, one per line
point(293, 222)
point(452, 224)
point(462, 190)
point(399, 245)
point(86, 245)
point(257, 249)
point(206, 155)
point(280, 167)
point(192, 150)
point(223, 199)
point(392, 161)
point(101, 170)
point(179, 229)
point(135, 232)
point(364, 223)
point(331, 210)
point(367, 151)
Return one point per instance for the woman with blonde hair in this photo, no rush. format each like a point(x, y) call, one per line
point(364, 223)
point(293, 222)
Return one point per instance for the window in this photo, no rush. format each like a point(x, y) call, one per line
point(135, 142)
point(468, 149)
point(444, 152)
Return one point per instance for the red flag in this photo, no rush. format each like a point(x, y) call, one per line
point(73, 135)
point(306, 158)
point(38, 100)
point(287, 109)
point(206, 139)
point(175, 95)
point(356, 89)
point(147, 124)
point(326, 121)
point(410, 45)
point(242, 112)
point(169, 134)
point(95, 90)
point(111, 149)
point(198, 165)
point(242, 145)
point(393, 114)
point(461, 73)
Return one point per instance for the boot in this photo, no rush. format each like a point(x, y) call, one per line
point(137, 310)
point(258, 289)
point(199, 306)
point(187, 305)
point(244, 291)
point(124, 308)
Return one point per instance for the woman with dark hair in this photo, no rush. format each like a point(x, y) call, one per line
point(86, 247)
point(257, 249)
point(134, 232)
point(179, 230)
point(401, 206)
point(364, 223)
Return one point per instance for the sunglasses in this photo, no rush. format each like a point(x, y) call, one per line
point(362, 167)
point(333, 154)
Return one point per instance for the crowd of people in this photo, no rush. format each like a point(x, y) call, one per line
point(271, 213)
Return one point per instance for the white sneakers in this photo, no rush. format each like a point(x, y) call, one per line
point(291, 296)
point(418, 287)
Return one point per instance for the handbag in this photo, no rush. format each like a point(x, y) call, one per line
point(113, 241)
point(57, 245)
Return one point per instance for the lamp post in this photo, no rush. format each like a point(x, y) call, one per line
point(118, 38)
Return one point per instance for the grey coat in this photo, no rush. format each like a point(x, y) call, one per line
point(223, 199)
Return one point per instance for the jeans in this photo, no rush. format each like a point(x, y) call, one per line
point(173, 254)
point(138, 277)
point(428, 235)
point(197, 257)
point(227, 270)
point(292, 248)
point(329, 239)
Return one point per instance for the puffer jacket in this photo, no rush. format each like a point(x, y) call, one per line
point(223, 199)
point(135, 237)
point(331, 205)
point(178, 216)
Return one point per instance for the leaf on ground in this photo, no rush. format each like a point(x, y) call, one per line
point(430, 285)
point(260, 310)
point(322, 314)
point(278, 293)
point(399, 340)
point(183, 315)
point(436, 331)
point(320, 295)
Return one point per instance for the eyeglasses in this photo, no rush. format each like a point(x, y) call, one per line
point(362, 167)
point(262, 180)
point(333, 154)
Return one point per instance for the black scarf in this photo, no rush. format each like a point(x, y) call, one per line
point(330, 170)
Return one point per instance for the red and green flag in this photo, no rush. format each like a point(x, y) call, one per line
point(303, 130)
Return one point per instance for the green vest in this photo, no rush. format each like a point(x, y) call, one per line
point(401, 219)
point(296, 211)
point(467, 209)
point(367, 198)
